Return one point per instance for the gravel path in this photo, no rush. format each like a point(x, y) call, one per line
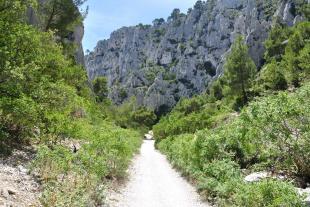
point(153, 183)
point(17, 187)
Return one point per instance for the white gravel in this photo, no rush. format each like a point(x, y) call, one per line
point(17, 187)
point(153, 183)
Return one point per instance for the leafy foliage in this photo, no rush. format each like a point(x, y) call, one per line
point(287, 55)
point(275, 44)
point(45, 101)
point(59, 15)
point(272, 78)
point(268, 193)
point(271, 133)
point(190, 115)
point(131, 115)
point(297, 54)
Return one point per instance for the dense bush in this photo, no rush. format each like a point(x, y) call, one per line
point(45, 101)
point(287, 56)
point(280, 126)
point(274, 46)
point(267, 193)
point(180, 152)
point(131, 115)
point(35, 81)
point(190, 115)
point(272, 133)
point(77, 179)
point(271, 78)
point(296, 57)
point(219, 179)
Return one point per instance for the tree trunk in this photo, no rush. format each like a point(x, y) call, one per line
point(245, 97)
point(50, 19)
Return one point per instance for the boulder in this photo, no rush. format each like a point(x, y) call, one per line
point(306, 193)
point(149, 136)
point(257, 176)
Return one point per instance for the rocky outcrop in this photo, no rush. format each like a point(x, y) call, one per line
point(77, 38)
point(179, 57)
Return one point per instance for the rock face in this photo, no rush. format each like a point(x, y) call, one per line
point(77, 37)
point(179, 57)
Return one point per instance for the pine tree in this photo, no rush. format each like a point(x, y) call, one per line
point(239, 70)
point(60, 14)
point(100, 87)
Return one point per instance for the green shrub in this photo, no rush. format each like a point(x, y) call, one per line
point(105, 153)
point(131, 115)
point(144, 116)
point(220, 179)
point(271, 133)
point(152, 72)
point(188, 116)
point(272, 78)
point(275, 48)
point(75, 190)
point(293, 62)
point(110, 151)
point(216, 90)
point(280, 125)
point(123, 93)
point(287, 52)
point(269, 193)
point(179, 151)
point(169, 76)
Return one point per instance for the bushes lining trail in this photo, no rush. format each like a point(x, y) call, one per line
point(272, 133)
point(46, 102)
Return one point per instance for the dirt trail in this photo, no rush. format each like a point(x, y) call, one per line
point(153, 183)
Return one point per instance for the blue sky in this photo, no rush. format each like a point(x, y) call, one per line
point(105, 16)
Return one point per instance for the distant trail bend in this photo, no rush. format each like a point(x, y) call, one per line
point(153, 183)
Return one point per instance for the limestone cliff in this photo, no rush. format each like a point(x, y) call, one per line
point(179, 57)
